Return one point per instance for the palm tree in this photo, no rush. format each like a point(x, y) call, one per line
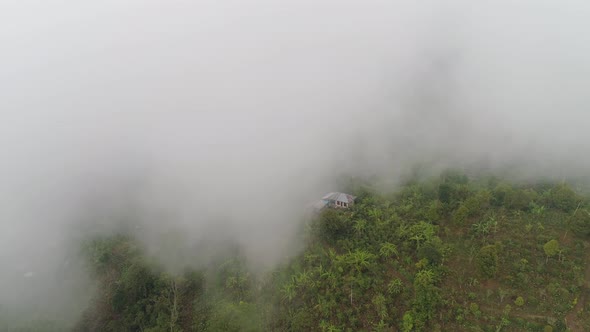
point(327, 327)
point(360, 226)
point(305, 279)
point(289, 291)
point(375, 214)
point(388, 250)
point(403, 230)
point(395, 286)
point(425, 277)
point(380, 305)
point(419, 238)
point(360, 259)
point(481, 228)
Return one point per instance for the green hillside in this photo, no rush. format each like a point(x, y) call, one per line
point(447, 253)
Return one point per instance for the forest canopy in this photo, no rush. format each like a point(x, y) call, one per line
point(438, 254)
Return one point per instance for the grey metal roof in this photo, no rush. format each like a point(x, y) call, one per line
point(329, 196)
point(339, 197)
point(343, 198)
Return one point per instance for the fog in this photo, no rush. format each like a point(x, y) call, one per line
point(221, 119)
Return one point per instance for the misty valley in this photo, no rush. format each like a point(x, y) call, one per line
point(294, 165)
point(439, 253)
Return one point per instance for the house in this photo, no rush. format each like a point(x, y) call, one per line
point(339, 200)
point(334, 200)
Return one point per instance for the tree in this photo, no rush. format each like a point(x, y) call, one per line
point(236, 284)
point(431, 253)
point(333, 226)
point(174, 305)
point(502, 194)
point(551, 249)
point(460, 215)
point(420, 232)
point(444, 193)
point(536, 208)
point(519, 301)
point(426, 297)
point(229, 316)
point(433, 214)
point(518, 199)
point(580, 223)
point(563, 197)
point(487, 261)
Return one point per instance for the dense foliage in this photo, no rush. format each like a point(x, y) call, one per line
point(441, 254)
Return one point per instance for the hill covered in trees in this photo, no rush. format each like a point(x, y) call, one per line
point(447, 253)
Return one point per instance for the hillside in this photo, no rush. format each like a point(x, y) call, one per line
point(447, 253)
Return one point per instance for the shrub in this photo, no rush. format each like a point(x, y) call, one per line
point(474, 308)
point(551, 248)
point(407, 322)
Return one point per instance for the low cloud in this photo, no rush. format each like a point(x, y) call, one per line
point(225, 117)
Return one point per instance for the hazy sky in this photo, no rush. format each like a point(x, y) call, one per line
point(226, 115)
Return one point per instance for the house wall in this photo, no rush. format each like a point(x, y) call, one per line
point(340, 205)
